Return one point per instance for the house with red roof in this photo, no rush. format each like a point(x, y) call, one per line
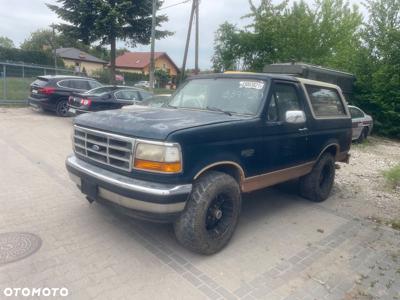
point(139, 62)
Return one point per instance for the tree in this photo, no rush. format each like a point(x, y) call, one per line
point(5, 42)
point(379, 71)
point(162, 77)
point(39, 40)
point(226, 42)
point(106, 21)
point(324, 33)
point(43, 40)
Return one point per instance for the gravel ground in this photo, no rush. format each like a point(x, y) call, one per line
point(361, 189)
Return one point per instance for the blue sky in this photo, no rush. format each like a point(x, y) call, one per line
point(20, 17)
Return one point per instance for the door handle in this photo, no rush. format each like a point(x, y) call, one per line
point(303, 129)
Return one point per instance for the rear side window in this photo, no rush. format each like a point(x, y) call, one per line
point(356, 113)
point(326, 102)
point(65, 83)
point(40, 82)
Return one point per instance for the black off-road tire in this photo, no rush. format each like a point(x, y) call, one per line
point(62, 108)
point(198, 228)
point(317, 185)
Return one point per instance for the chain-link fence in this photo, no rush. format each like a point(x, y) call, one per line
point(15, 80)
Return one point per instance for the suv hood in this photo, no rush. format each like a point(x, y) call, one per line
point(151, 123)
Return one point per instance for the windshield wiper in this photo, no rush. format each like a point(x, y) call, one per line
point(212, 108)
point(170, 106)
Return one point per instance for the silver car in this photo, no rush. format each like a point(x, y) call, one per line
point(362, 124)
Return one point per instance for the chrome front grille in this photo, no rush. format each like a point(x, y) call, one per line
point(106, 148)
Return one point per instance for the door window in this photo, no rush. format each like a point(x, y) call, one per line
point(94, 84)
point(80, 85)
point(284, 98)
point(126, 95)
point(145, 95)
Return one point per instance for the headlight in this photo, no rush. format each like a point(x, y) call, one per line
point(158, 157)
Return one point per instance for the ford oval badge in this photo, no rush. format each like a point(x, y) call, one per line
point(96, 147)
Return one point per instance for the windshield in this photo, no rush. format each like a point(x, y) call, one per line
point(238, 96)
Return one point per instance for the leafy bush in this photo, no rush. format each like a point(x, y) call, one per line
point(132, 78)
point(104, 76)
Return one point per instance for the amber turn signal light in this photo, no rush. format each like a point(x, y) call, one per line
point(165, 167)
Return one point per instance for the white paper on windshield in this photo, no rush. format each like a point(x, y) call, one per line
point(257, 85)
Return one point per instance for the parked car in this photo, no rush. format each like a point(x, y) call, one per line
point(362, 124)
point(105, 98)
point(142, 84)
point(50, 93)
point(155, 101)
point(220, 136)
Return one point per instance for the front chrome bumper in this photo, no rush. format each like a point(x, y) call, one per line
point(139, 195)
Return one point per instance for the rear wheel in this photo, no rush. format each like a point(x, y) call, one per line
point(62, 108)
point(317, 185)
point(211, 214)
point(363, 135)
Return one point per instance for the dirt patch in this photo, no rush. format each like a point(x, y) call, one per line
point(361, 189)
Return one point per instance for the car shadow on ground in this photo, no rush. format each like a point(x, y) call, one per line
point(257, 209)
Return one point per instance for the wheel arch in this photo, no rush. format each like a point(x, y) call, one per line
point(332, 148)
point(229, 167)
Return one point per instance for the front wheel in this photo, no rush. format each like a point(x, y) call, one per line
point(317, 185)
point(211, 214)
point(62, 108)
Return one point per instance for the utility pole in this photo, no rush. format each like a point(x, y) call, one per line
point(54, 49)
point(153, 38)
point(196, 64)
point(188, 40)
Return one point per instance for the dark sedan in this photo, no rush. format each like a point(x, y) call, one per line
point(106, 98)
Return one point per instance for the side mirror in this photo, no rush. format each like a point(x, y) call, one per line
point(295, 117)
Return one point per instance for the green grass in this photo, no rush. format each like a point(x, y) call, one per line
point(393, 176)
point(365, 144)
point(17, 88)
point(163, 91)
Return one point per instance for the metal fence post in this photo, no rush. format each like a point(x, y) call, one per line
point(4, 83)
point(23, 71)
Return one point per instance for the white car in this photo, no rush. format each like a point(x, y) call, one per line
point(362, 124)
point(143, 84)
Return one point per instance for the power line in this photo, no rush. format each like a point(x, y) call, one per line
point(176, 4)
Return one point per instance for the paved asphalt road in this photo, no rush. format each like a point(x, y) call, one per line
point(285, 247)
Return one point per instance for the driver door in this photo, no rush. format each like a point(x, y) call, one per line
point(284, 144)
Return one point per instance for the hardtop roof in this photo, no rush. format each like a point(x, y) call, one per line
point(265, 76)
point(249, 75)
